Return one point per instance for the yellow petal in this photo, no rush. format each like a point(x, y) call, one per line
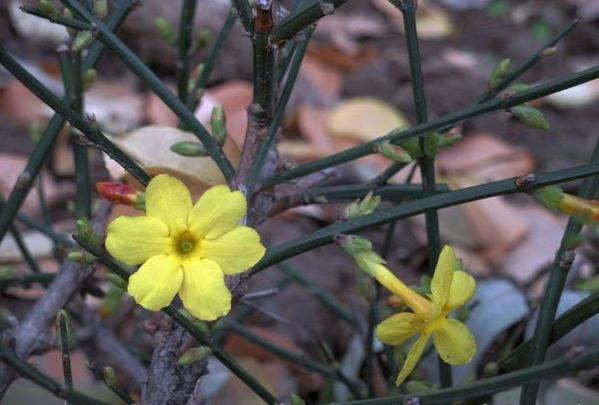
point(217, 212)
point(400, 327)
point(133, 240)
point(441, 282)
point(156, 282)
point(462, 289)
point(204, 293)
point(454, 342)
point(168, 199)
point(412, 299)
point(413, 356)
point(235, 251)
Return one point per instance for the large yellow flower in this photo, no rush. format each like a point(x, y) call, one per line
point(450, 289)
point(186, 249)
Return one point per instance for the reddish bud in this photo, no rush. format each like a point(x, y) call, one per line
point(119, 193)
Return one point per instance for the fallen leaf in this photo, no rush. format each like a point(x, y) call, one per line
point(329, 55)
point(39, 246)
point(575, 97)
point(21, 107)
point(344, 30)
point(117, 106)
point(150, 148)
point(324, 77)
point(433, 22)
point(34, 28)
point(364, 119)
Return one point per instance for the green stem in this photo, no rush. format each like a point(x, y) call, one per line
point(263, 73)
point(36, 160)
point(117, 391)
point(397, 136)
point(31, 373)
point(57, 238)
point(91, 132)
point(130, 59)
point(298, 359)
point(58, 19)
point(323, 296)
point(327, 235)
point(279, 113)
point(65, 347)
point(304, 16)
point(488, 386)
point(26, 280)
point(563, 325)
point(188, 11)
point(557, 279)
point(529, 63)
point(244, 11)
point(70, 64)
point(386, 175)
point(200, 85)
point(351, 192)
point(25, 252)
point(188, 325)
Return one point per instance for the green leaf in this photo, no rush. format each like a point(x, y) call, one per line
point(531, 117)
point(362, 207)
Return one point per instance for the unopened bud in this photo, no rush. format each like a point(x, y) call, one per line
point(393, 152)
point(118, 193)
point(189, 148)
point(81, 257)
point(109, 376)
point(88, 78)
point(547, 52)
point(194, 355)
point(531, 117)
point(203, 39)
point(166, 30)
point(419, 387)
point(218, 125)
point(48, 8)
point(296, 400)
point(86, 232)
point(101, 8)
point(82, 40)
point(499, 73)
point(362, 207)
point(490, 370)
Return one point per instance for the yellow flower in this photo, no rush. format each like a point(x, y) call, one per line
point(450, 289)
point(186, 249)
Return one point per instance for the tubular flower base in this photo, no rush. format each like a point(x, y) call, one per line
point(450, 289)
point(185, 248)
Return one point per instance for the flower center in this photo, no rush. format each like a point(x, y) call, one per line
point(185, 243)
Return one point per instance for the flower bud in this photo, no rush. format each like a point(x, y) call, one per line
point(88, 78)
point(189, 149)
point(119, 193)
point(499, 73)
point(86, 232)
point(166, 30)
point(362, 207)
point(101, 8)
point(48, 8)
point(194, 355)
point(218, 124)
point(393, 152)
point(555, 199)
point(81, 257)
point(296, 400)
point(109, 376)
point(82, 40)
point(531, 117)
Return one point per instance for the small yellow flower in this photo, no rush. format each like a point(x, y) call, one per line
point(186, 249)
point(450, 289)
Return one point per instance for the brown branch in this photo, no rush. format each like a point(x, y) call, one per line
point(168, 382)
point(32, 332)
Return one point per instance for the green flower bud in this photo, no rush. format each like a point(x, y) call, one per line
point(362, 207)
point(101, 8)
point(88, 78)
point(419, 387)
point(48, 8)
point(490, 370)
point(194, 355)
point(393, 152)
point(109, 376)
point(86, 232)
point(81, 257)
point(218, 125)
point(499, 73)
point(82, 40)
point(166, 30)
point(296, 400)
point(189, 148)
point(531, 117)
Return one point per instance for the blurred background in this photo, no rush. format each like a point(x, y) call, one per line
point(354, 85)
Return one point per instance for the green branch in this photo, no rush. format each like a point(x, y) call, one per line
point(187, 324)
point(397, 136)
point(188, 11)
point(326, 235)
point(307, 14)
point(488, 386)
point(557, 279)
point(31, 373)
point(130, 59)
